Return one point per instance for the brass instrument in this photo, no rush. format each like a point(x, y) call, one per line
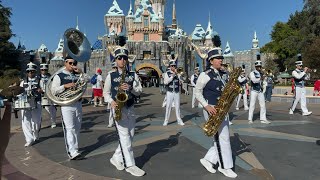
point(231, 91)
point(312, 70)
point(121, 96)
point(180, 70)
point(78, 47)
point(229, 68)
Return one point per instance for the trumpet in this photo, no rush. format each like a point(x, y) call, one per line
point(311, 70)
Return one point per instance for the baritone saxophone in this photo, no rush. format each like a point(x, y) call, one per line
point(231, 91)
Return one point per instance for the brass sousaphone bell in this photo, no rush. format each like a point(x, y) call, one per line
point(77, 46)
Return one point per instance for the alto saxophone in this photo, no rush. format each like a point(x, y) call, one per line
point(121, 96)
point(232, 90)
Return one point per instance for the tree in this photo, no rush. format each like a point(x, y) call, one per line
point(298, 35)
point(311, 58)
point(8, 52)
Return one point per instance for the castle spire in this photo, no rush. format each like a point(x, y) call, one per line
point(130, 12)
point(255, 41)
point(77, 27)
point(174, 17)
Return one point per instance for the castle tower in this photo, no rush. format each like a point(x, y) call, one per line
point(161, 25)
point(254, 50)
point(136, 4)
point(174, 17)
point(129, 23)
point(77, 27)
point(255, 41)
point(158, 6)
point(114, 19)
point(228, 55)
point(209, 34)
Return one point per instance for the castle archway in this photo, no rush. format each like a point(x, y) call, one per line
point(149, 74)
point(155, 69)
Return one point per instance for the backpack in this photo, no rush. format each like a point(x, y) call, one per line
point(94, 79)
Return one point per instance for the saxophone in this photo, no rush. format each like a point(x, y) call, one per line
point(121, 96)
point(232, 90)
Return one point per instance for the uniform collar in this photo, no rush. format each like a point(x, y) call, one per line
point(214, 69)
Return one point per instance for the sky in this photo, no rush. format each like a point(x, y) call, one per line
point(38, 22)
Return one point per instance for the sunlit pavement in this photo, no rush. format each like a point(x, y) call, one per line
point(285, 149)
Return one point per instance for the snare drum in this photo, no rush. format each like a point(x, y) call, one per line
point(24, 102)
point(45, 101)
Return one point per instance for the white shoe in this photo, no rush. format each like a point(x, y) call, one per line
point(118, 165)
point(53, 125)
point(246, 109)
point(28, 144)
point(290, 111)
point(110, 125)
point(75, 156)
point(265, 121)
point(206, 164)
point(306, 113)
point(250, 122)
point(228, 172)
point(135, 171)
point(230, 123)
point(181, 123)
point(165, 123)
point(237, 109)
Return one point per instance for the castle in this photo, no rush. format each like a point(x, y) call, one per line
point(150, 42)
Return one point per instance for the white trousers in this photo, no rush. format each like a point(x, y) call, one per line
point(172, 96)
point(194, 100)
point(72, 118)
point(110, 118)
point(300, 94)
point(245, 100)
point(253, 97)
point(31, 120)
point(164, 103)
point(126, 132)
point(221, 140)
point(52, 112)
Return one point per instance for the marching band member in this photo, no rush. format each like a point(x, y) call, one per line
point(123, 157)
point(31, 118)
point(51, 109)
point(300, 76)
point(114, 68)
point(242, 79)
point(172, 81)
point(193, 80)
point(208, 90)
point(71, 114)
point(257, 92)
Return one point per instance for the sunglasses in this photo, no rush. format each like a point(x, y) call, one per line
point(73, 63)
point(173, 66)
point(122, 57)
point(31, 71)
point(44, 69)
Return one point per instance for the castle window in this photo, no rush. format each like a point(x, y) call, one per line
point(146, 21)
point(145, 37)
point(146, 54)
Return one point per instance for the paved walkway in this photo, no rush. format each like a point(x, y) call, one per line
point(284, 149)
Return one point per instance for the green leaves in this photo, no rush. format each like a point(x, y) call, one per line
point(298, 35)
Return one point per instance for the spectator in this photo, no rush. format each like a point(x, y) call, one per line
point(316, 89)
point(97, 89)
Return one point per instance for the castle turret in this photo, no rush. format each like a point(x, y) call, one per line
point(129, 23)
point(114, 19)
point(158, 6)
point(174, 17)
point(255, 41)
